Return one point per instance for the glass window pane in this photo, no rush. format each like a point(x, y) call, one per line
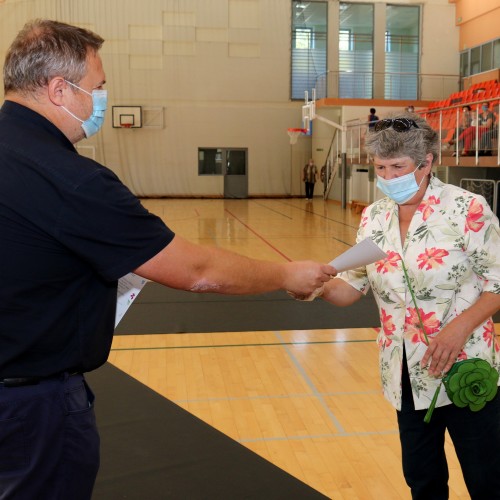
point(402, 51)
point(496, 53)
point(464, 64)
point(303, 38)
point(309, 45)
point(475, 60)
point(209, 161)
point(486, 56)
point(356, 51)
point(345, 40)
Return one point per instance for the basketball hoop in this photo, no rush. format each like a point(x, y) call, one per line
point(294, 134)
point(126, 125)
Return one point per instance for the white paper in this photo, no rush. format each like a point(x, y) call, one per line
point(129, 288)
point(362, 254)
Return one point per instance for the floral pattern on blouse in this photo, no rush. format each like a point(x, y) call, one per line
point(450, 253)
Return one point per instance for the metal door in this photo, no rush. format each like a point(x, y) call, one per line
point(235, 173)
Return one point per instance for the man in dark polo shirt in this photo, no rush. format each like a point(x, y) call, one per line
point(69, 230)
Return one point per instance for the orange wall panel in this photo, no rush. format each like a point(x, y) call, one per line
point(479, 22)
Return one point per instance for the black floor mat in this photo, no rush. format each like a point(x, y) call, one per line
point(152, 449)
point(159, 309)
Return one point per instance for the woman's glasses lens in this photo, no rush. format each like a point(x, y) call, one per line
point(398, 124)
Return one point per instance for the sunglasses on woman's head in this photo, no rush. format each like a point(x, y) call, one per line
point(398, 124)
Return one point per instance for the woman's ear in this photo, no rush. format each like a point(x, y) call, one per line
point(427, 162)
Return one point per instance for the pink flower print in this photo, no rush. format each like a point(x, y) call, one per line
point(489, 334)
point(431, 258)
point(426, 206)
point(462, 356)
point(473, 220)
point(412, 324)
point(388, 328)
point(388, 265)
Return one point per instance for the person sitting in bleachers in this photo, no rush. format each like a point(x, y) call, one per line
point(486, 121)
point(486, 143)
point(465, 122)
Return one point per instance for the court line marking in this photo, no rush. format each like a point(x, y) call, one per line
point(317, 394)
point(271, 209)
point(279, 396)
point(320, 215)
point(354, 228)
point(253, 344)
point(258, 235)
point(318, 436)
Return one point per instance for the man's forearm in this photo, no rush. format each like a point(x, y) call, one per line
point(196, 268)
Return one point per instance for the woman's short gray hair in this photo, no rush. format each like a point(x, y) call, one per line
point(44, 49)
point(415, 143)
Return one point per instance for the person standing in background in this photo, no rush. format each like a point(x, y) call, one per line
point(310, 176)
point(372, 118)
point(324, 175)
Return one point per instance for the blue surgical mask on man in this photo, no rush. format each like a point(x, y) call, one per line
point(94, 122)
point(400, 189)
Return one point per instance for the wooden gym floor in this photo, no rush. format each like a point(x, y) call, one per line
point(308, 401)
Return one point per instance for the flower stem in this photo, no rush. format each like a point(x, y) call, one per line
point(422, 327)
point(428, 415)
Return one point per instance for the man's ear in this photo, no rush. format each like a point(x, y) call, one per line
point(57, 90)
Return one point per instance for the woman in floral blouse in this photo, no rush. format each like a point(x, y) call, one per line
point(449, 242)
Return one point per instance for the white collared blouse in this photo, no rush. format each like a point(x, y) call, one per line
point(452, 255)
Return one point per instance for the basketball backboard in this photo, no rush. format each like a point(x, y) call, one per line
point(127, 117)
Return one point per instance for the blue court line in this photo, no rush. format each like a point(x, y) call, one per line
point(317, 436)
point(275, 396)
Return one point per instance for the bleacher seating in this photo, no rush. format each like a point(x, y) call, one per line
point(443, 115)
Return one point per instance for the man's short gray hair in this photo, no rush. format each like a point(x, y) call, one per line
point(44, 49)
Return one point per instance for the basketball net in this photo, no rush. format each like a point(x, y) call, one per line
point(294, 134)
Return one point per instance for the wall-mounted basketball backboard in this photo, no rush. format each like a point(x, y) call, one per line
point(127, 116)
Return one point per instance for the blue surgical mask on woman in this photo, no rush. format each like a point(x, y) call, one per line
point(93, 124)
point(400, 189)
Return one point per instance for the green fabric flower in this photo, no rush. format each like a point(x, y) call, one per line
point(472, 382)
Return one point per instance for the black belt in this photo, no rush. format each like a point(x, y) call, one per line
point(22, 381)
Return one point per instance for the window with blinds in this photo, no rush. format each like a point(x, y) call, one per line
point(309, 46)
point(402, 43)
point(356, 51)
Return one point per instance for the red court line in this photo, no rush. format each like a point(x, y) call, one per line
point(258, 235)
